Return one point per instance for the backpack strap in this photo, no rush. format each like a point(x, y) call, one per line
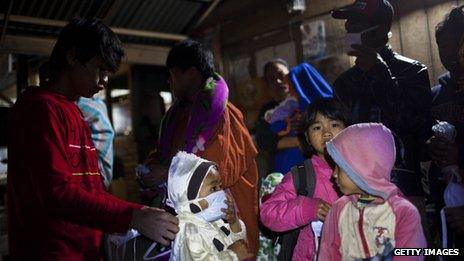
point(304, 178)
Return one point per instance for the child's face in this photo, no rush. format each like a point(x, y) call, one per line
point(321, 131)
point(211, 184)
point(344, 183)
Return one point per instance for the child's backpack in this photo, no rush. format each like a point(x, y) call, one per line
point(304, 180)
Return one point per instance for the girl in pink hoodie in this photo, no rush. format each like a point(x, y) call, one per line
point(373, 217)
point(285, 210)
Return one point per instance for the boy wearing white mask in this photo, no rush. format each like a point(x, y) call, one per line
point(209, 226)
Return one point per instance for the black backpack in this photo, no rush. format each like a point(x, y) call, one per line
point(305, 183)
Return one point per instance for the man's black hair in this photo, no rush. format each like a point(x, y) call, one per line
point(453, 22)
point(330, 108)
point(273, 62)
point(88, 38)
point(191, 53)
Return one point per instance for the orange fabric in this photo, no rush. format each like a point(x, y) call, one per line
point(233, 150)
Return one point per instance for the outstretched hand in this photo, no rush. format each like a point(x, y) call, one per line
point(156, 224)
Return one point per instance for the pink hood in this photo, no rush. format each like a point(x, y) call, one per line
point(366, 152)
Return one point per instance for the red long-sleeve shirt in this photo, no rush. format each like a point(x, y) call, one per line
point(57, 205)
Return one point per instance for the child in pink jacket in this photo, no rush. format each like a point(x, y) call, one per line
point(373, 217)
point(285, 210)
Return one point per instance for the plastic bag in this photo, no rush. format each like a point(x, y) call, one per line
point(133, 246)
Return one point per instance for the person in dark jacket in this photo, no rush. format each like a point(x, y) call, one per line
point(448, 105)
point(388, 88)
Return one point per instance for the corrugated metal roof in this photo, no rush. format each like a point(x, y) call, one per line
point(167, 16)
point(60, 9)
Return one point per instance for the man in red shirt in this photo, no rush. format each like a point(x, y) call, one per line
point(57, 204)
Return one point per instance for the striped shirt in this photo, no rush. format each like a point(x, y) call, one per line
point(96, 116)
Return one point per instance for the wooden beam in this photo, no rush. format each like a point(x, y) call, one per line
point(5, 22)
point(146, 54)
point(149, 34)
point(135, 53)
point(117, 30)
point(28, 45)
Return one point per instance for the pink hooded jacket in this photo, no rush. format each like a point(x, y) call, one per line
point(284, 210)
point(352, 230)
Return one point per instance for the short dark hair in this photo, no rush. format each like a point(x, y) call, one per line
point(273, 62)
point(329, 107)
point(88, 38)
point(453, 22)
point(191, 53)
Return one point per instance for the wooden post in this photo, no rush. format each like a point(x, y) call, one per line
point(22, 73)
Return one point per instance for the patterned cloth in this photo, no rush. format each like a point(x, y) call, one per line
point(96, 116)
point(268, 248)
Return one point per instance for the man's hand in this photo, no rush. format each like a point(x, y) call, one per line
point(442, 151)
point(322, 210)
point(156, 224)
point(366, 57)
point(455, 217)
point(241, 250)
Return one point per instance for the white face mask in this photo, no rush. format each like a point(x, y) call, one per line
point(215, 204)
point(356, 38)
